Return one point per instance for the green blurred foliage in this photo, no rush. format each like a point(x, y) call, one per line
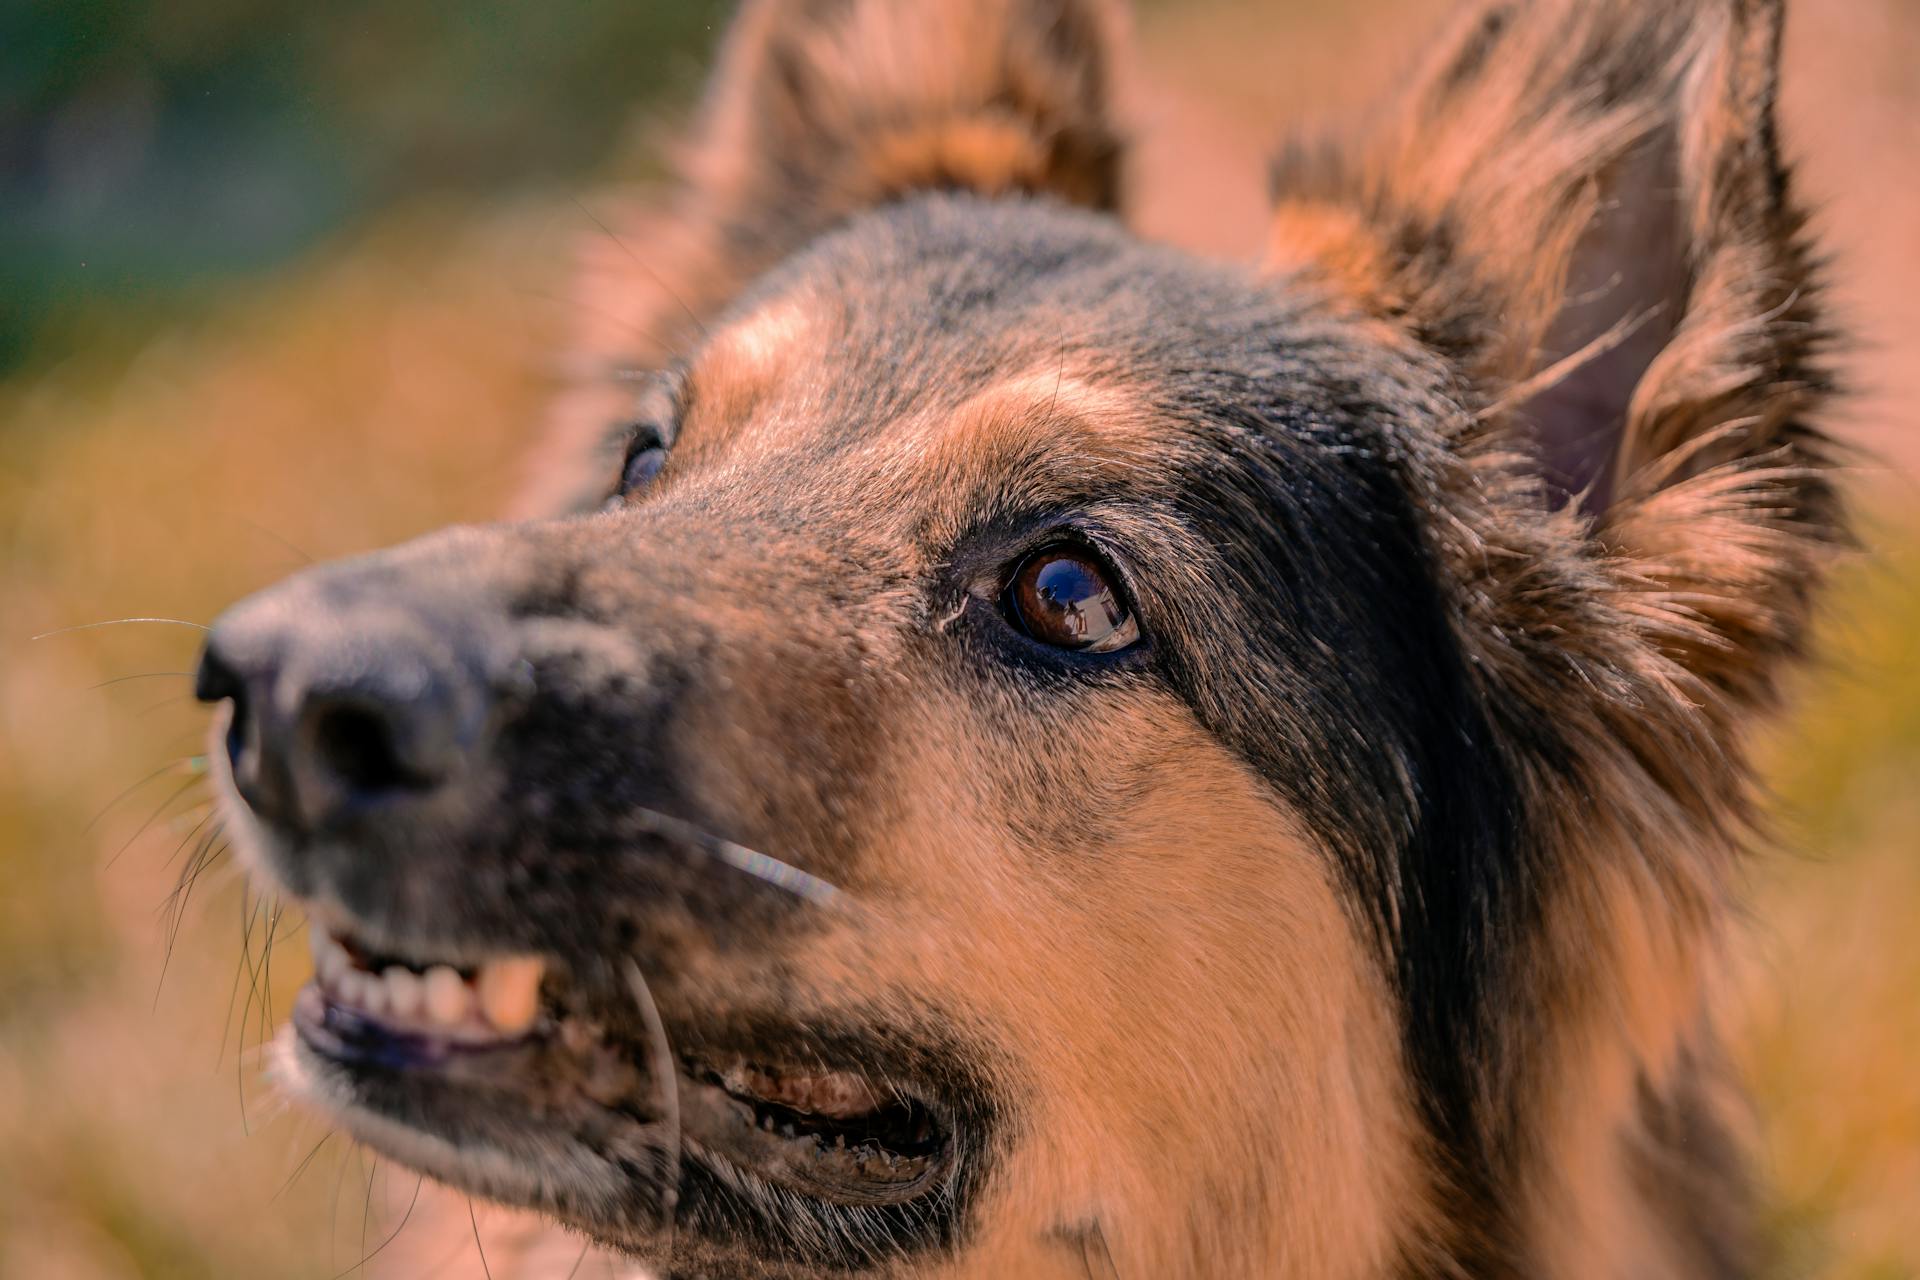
point(149, 150)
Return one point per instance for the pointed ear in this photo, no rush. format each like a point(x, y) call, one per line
point(1583, 205)
point(819, 109)
point(822, 107)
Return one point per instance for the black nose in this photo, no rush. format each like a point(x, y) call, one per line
point(340, 706)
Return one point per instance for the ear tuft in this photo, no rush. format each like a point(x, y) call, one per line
point(1582, 205)
point(824, 107)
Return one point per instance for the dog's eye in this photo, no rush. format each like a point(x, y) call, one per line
point(642, 465)
point(1064, 596)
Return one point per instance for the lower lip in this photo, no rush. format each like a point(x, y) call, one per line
point(345, 1035)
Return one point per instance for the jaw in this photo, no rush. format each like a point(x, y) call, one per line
point(551, 1169)
point(752, 1137)
point(745, 1126)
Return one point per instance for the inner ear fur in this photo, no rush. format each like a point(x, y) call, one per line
point(1582, 206)
point(819, 109)
point(823, 107)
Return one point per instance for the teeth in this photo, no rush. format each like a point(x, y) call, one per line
point(406, 994)
point(374, 996)
point(448, 996)
point(330, 959)
point(509, 992)
point(504, 999)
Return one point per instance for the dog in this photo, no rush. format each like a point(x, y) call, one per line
point(1005, 749)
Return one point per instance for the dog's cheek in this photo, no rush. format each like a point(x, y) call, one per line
point(1157, 969)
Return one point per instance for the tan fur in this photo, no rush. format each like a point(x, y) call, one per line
point(1162, 1056)
point(1647, 633)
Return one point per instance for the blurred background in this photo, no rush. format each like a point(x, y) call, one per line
point(280, 282)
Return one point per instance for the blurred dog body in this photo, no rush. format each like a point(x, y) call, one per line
point(1002, 749)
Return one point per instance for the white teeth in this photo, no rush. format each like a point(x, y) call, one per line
point(448, 996)
point(406, 994)
point(503, 999)
point(509, 992)
point(330, 959)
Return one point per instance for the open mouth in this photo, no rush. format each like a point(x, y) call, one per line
point(494, 1057)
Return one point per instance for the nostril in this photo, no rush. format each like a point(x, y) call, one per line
point(216, 680)
point(356, 744)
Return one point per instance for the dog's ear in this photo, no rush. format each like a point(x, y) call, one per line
point(823, 107)
point(819, 109)
point(1583, 205)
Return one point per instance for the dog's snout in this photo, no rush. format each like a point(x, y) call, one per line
point(340, 704)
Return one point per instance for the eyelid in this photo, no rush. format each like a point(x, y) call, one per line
point(992, 579)
point(642, 436)
point(654, 424)
point(658, 408)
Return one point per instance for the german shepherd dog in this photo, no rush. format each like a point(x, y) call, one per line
point(1023, 752)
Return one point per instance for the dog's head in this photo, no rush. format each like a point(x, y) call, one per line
point(1031, 747)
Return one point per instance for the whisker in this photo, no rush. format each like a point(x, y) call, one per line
point(763, 867)
point(139, 831)
point(404, 1218)
point(233, 994)
point(288, 543)
point(475, 1222)
point(252, 909)
point(366, 1211)
point(573, 1270)
point(333, 1211)
point(120, 622)
point(301, 1168)
point(205, 854)
point(654, 276)
point(266, 969)
point(144, 675)
point(173, 701)
point(174, 904)
point(186, 762)
point(666, 1090)
point(174, 915)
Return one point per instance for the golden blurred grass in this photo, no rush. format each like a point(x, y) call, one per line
point(375, 393)
point(1832, 1045)
point(388, 385)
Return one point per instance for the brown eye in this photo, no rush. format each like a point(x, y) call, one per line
point(1065, 597)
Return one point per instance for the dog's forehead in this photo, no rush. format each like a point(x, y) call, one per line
point(1057, 428)
point(949, 347)
point(921, 309)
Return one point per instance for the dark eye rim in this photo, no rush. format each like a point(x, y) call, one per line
point(1074, 541)
point(660, 406)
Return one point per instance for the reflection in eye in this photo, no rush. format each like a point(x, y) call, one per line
point(1064, 596)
